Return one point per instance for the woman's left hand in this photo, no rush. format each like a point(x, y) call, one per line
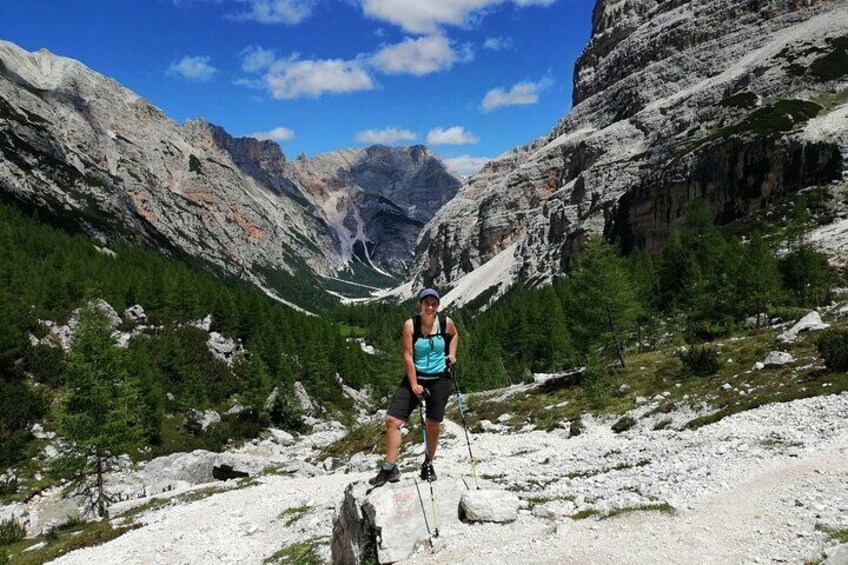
point(451, 360)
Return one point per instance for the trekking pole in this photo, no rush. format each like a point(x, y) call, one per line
point(424, 511)
point(464, 426)
point(422, 408)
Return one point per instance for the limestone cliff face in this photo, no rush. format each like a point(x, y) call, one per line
point(80, 147)
point(673, 100)
point(83, 148)
point(377, 199)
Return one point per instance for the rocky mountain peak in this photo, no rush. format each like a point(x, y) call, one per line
point(735, 103)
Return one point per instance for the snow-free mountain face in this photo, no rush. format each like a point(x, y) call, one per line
point(377, 199)
point(738, 103)
point(82, 148)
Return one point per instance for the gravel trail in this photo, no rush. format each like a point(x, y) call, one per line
point(757, 487)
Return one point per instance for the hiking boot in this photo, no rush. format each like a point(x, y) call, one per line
point(427, 471)
point(384, 477)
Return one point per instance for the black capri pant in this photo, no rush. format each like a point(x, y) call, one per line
point(405, 401)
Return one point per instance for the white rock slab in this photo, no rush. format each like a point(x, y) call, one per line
point(837, 555)
point(810, 322)
point(489, 506)
point(778, 359)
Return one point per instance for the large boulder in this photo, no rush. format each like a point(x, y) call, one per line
point(488, 506)
point(778, 359)
point(281, 437)
point(810, 322)
point(201, 419)
point(837, 555)
point(390, 520)
point(135, 314)
point(303, 399)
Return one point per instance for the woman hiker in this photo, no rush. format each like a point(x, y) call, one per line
point(429, 347)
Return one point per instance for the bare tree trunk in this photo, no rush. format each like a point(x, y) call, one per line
point(506, 373)
point(101, 495)
point(618, 347)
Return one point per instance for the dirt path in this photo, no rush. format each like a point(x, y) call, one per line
point(760, 516)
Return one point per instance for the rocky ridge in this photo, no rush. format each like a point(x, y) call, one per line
point(735, 103)
point(84, 150)
point(377, 198)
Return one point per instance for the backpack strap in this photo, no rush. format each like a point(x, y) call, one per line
point(443, 326)
point(416, 328)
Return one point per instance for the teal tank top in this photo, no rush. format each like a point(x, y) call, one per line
point(428, 353)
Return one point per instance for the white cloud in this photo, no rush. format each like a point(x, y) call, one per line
point(420, 56)
point(455, 135)
point(193, 68)
point(498, 43)
point(292, 78)
point(289, 12)
point(465, 165)
point(523, 93)
point(255, 59)
point(385, 136)
point(276, 134)
point(426, 16)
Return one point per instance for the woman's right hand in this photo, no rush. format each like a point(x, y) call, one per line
point(418, 390)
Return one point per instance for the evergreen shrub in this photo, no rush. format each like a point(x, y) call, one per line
point(8, 485)
point(45, 363)
point(833, 347)
point(11, 531)
point(286, 412)
point(700, 360)
point(623, 424)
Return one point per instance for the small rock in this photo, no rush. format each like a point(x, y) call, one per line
point(504, 418)
point(281, 437)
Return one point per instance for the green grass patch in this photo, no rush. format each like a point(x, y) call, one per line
point(664, 508)
point(302, 553)
point(352, 331)
point(583, 514)
point(840, 535)
point(367, 437)
point(834, 64)
point(778, 117)
point(292, 515)
point(62, 541)
point(152, 504)
point(739, 100)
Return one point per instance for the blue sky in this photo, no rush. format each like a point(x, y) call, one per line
point(468, 78)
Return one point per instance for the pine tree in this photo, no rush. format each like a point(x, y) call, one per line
point(604, 300)
point(255, 382)
point(759, 278)
point(99, 420)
